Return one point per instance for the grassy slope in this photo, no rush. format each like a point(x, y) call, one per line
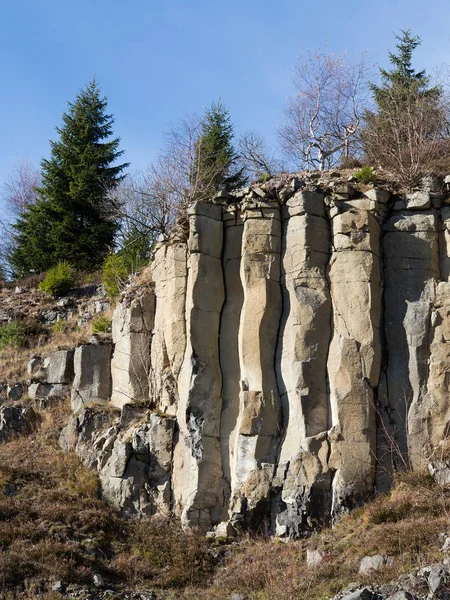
point(55, 527)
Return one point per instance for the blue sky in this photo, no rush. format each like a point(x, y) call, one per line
point(160, 60)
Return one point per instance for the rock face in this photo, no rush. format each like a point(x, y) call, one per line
point(292, 349)
point(92, 380)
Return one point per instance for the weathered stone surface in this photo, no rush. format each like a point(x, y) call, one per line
point(59, 367)
point(15, 392)
point(374, 563)
point(132, 327)
point(92, 381)
point(198, 477)
point(257, 438)
point(410, 247)
point(257, 339)
point(134, 462)
point(168, 342)
point(354, 357)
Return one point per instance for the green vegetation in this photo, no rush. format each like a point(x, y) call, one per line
point(114, 274)
point(11, 334)
point(407, 133)
point(59, 280)
point(364, 175)
point(216, 161)
point(74, 217)
point(101, 325)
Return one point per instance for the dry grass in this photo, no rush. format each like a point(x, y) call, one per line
point(404, 524)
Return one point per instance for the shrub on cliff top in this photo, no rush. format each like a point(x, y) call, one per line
point(59, 280)
point(114, 274)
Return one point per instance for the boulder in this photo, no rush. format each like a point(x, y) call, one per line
point(374, 563)
point(15, 420)
point(59, 367)
point(92, 378)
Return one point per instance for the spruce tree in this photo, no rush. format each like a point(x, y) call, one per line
point(402, 78)
point(405, 133)
point(216, 163)
point(74, 217)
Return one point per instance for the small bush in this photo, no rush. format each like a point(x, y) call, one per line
point(264, 177)
point(101, 325)
point(59, 280)
point(114, 274)
point(11, 334)
point(364, 175)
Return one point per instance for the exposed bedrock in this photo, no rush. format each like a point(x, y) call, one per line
point(259, 418)
point(303, 477)
point(168, 342)
point(133, 322)
point(198, 483)
point(411, 269)
point(289, 350)
point(355, 353)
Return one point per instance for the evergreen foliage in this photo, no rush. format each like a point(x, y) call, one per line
point(114, 274)
point(59, 280)
point(216, 161)
point(74, 217)
point(406, 132)
point(402, 77)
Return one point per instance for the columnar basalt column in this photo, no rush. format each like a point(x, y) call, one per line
point(429, 419)
point(132, 326)
point(301, 360)
point(229, 332)
point(355, 353)
point(168, 343)
point(259, 417)
point(411, 267)
point(198, 480)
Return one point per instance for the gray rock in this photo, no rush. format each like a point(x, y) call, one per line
point(362, 594)
point(402, 596)
point(98, 580)
point(418, 200)
point(92, 380)
point(437, 578)
point(313, 558)
point(15, 392)
point(38, 391)
point(15, 420)
point(59, 367)
point(34, 364)
point(374, 563)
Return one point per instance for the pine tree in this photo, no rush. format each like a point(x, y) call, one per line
point(216, 161)
point(402, 78)
point(405, 134)
point(74, 218)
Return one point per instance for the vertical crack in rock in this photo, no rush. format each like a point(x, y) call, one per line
point(228, 344)
point(198, 478)
point(301, 362)
point(355, 354)
point(259, 414)
point(169, 333)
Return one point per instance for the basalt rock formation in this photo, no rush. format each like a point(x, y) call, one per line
point(292, 349)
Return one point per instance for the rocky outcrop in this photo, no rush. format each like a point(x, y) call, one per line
point(291, 348)
point(92, 379)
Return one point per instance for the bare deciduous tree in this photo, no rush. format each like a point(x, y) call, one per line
point(19, 188)
point(154, 200)
point(256, 157)
point(324, 117)
point(409, 137)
